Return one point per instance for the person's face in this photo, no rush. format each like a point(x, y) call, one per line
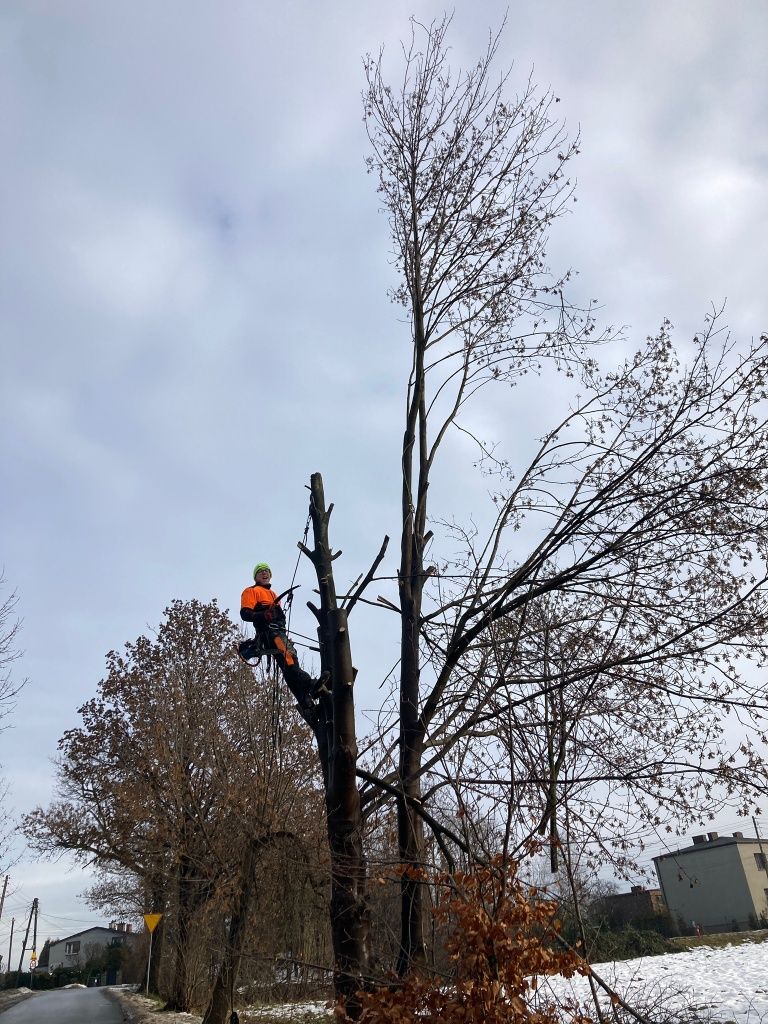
point(264, 577)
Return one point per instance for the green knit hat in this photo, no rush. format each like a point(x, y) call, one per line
point(259, 567)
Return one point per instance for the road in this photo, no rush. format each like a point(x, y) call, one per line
point(65, 1006)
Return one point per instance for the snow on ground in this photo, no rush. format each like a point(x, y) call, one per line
point(726, 984)
point(288, 1011)
point(721, 985)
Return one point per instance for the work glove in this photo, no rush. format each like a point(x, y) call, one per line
point(262, 614)
point(269, 614)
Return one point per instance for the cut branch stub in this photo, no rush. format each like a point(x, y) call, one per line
point(305, 550)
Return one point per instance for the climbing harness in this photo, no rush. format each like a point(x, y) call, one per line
point(252, 649)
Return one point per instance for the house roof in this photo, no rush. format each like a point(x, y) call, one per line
point(88, 931)
point(707, 844)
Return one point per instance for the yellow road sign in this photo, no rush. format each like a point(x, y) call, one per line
point(152, 921)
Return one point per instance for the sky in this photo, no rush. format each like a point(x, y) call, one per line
point(194, 310)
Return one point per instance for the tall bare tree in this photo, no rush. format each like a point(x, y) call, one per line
point(643, 586)
point(471, 182)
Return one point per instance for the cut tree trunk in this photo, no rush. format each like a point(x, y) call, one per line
point(337, 747)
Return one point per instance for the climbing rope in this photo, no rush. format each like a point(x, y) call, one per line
point(289, 599)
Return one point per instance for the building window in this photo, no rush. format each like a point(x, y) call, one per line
point(71, 948)
point(760, 862)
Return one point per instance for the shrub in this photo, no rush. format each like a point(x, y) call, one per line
point(500, 939)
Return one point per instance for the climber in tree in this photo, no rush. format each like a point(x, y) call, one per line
point(261, 606)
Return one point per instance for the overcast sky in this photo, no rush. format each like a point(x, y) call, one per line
point(193, 293)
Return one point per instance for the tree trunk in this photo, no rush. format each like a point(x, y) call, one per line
point(157, 905)
point(337, 747)
point(220, 1003)
point(349, 906)
point(410, 828)
point(179, 997)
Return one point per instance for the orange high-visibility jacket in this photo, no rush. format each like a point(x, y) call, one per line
point(255, 596)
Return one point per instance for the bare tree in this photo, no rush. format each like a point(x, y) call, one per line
point(471, 182)
point(9, 688)
point(615, 650)
point(596, 671)
point(588, 645)
point(600, 661)
point(9, 652)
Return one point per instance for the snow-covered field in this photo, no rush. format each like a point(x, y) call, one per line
point(721, 985)
point(727, 984)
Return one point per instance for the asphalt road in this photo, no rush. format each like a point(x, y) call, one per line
point(65, 1006)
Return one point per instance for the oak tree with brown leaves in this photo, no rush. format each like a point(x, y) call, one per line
point(177, 776)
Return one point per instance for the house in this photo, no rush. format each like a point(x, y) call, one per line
point(717, 883)
point(87, 946)
point(638, 904)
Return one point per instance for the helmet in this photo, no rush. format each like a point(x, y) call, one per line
point(257, 568)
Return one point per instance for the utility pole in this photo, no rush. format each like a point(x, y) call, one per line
point(2, 904)
point(33, 958)
point(10, 944)
point(26, 937)
point(2, 898)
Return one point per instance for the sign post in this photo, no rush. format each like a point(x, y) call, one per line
point(151, 921)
